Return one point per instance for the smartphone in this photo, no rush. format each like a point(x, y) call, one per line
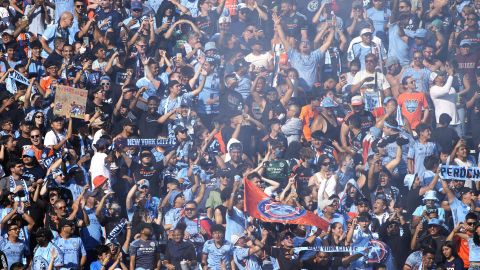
point(86, 41)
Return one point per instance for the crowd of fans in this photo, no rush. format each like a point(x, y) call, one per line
point(347, 109)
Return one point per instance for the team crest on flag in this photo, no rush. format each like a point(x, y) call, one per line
point(280, 212)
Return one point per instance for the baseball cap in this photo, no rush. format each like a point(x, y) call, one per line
point(210, 46)
point(7, 31)
point(365, 31)
point(99, 180)
point(29, 153)
point(324, 203)
point(235, 238)
point(435, 222)
point(392, 61)
point(465, 43)
point(356, 101)
point(135, 4)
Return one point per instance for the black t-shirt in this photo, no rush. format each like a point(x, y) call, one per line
point(231, 103)
point(303, 176)
point(176, 252)
point(457, 263)
point(35, 173)
point(105, 109)
point(148, 125)
point(151, 173)
point(445, 137)
point(208, 24)
point(293, 24)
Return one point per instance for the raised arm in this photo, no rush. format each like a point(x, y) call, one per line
point(281, 34)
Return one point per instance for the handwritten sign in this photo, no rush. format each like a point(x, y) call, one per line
point(69, 98)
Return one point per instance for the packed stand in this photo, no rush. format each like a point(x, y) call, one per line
point(347, 113)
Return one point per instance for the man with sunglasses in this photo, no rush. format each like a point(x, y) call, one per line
point(15, 249)
point(364, 45)
point(97, 110)
point(74, 254)
point(305, 60)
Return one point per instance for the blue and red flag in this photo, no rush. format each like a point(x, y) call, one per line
point(259, 205)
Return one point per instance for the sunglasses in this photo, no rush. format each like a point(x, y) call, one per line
point(190, 209)
point(326, 164)
point(470, 223)
point(26, 157)
point(39, 116)
point(79, 6)
point(105, 83)
point(35, 136)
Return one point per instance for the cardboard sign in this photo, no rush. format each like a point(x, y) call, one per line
point(69, 98)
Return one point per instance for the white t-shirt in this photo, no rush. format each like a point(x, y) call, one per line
point(259, 61)
point(52, 138)
point(382, 83)
point(97, 166)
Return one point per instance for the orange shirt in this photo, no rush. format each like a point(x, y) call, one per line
point(463, 250)
point(413, 104)
point(307, 114)
point(45, 83)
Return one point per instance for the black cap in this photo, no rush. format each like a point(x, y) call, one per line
point(463, 191)
point(318, 135)
point(179, 128)
point(223, 173)
point(240, 63)
point(66, 222)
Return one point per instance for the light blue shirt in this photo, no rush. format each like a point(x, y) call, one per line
point(42, 256)
point(218, 255)
point(306, 64)
point(15, 252)
point(459, 211)
point(379, 18)
point(235, 223)
point(418, 152)
point(397, 46)
point(72, 249)
point(211, 90)
point(474, 254)
point(244, 261)
point(92, 234)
